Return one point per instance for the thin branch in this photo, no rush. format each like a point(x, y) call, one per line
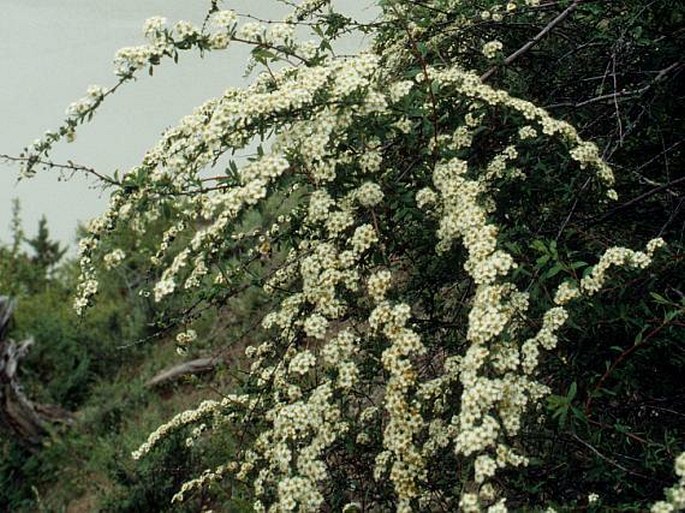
point(607, 459)
point(530, 44)
point(573, 208)
point(621, 357)
point(664, 152)
point(69, 166)
point(269, 46)
point(637, 199)
point(673, 215)
point(431, 94)
point(616, 107)
point(620, 94)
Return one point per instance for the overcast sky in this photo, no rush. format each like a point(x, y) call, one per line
point(51, 51)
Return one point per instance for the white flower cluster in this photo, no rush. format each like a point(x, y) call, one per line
point(464, 207)
point(133, 58)
point(369, 194)
point(114, 258)
point(469, 84)
point(205, 409)
point(545, 338)
point(399, 90)
point(405, 421)
point(186, 337)
point(310, 424)
point(207, 477)
point(675, 496)
point(616, 256)
point(363, 238)
point(378, 284)
point(426, 197)
point(94, 96)
point(185, 30)
point(492, 48)
point(153, 27)
point(527, 132)
point(339, 353)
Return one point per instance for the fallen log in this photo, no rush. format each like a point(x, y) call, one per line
point(24, 420)
point(197, 366)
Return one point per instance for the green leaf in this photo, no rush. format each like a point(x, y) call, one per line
point(556, 269)
point(542, 260)
point(659, 298)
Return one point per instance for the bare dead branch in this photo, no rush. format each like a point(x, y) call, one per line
point(27, 421)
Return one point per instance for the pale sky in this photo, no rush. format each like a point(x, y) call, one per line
point(51, 51)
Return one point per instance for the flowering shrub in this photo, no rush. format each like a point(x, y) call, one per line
point(408, 352)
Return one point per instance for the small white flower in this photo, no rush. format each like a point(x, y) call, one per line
point(315, 326)
point(114, 258)
point(302, 362)
point(491, 48)
point(186, 337)
point(426, 197)
point(369, 194)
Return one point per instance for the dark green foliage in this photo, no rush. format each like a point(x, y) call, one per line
point(150, 484)
point(615, 71)
point(617, 421)
point(47, 252)
point(69, 357)
point(96, 366)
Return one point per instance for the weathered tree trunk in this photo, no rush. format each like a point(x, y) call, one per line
point(26, 421)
